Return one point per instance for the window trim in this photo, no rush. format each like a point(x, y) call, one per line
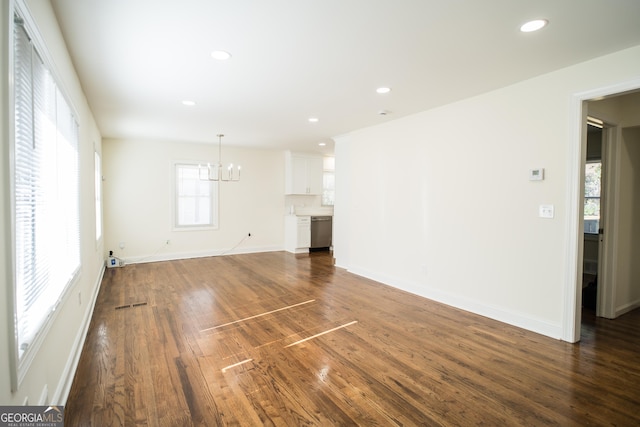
point(599, 198)
point(215, 200)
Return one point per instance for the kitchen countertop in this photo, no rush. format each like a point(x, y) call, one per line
point(314, 211)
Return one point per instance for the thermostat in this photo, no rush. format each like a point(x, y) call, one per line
point(536, 174)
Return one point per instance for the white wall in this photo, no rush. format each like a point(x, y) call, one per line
point(439, 203)
point(138, 198)
point(54, 363)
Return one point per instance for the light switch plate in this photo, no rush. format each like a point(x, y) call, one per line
point(546, 211)
point(536, 174)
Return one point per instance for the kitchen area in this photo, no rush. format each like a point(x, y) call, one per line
point(309, 190)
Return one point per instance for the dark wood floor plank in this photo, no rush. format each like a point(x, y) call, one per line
point(204, 342)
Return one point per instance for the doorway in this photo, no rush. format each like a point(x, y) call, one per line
point(627, 94)
point(611, 242)
point(592, 214)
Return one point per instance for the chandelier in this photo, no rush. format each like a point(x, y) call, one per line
point(216, 172)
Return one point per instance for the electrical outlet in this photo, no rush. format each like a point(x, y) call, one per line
point(546, 211)
point(121, 245)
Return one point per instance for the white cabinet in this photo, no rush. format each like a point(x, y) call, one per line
point(303, 173)
point(303, 239)
point(297, 233)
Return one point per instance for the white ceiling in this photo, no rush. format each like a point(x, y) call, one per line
point(293, 59)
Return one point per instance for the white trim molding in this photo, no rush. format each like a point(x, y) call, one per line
point(520, 320)
point(200, 254)
point(572, 315)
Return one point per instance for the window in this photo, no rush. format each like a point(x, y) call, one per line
point(98, 194)
point(45, 203)
point(592, 183)
point(328, 181)
point(196, 199)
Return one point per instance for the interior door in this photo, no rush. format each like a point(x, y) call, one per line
point(605, 306)
point(601, 278)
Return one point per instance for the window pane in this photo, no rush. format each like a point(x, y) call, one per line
point(592, 207)
point(188, 187)
point(204, 213)
point(194, 197)
point(187, 208)
point(204, 187)
point(592, 179)
point(591, 215)
point(328, 188)
point(592, 184)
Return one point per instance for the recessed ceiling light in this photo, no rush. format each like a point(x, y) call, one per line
point(534, 25)
point(322, 144)
point(383, 90)
point(313, 119)
point(220, 55)
point(188, 103)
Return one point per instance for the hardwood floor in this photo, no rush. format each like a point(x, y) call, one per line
point(278, 339)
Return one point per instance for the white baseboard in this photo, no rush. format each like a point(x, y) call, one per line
point(200, 254)
point(66, 379)
point(627, 308)
point(520, 320)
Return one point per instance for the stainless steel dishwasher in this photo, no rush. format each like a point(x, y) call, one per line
point(321, 232)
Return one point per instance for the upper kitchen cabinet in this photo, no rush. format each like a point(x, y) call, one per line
point(303, 173)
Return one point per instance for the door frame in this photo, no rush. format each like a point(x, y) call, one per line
point(574, 223)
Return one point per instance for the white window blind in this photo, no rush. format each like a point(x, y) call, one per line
point(46, 192)
point(196, 199)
